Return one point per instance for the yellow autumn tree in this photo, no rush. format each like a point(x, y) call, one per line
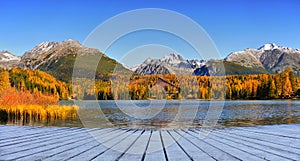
point(4, 81)
point(287, 89)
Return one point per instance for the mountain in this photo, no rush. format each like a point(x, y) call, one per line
point(58, 60)
point(173, 63)
point(176, 64)
point(270, 57)
point(222, 67)
point(8, 60)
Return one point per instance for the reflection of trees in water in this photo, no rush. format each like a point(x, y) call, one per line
point(3, 116)
point(38, 115)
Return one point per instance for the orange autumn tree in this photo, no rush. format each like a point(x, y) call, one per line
point(10, 96)
point(23, 104)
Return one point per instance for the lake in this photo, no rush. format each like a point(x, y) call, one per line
point(175, 114)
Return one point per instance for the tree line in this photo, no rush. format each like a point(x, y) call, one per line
point(258, 86)
point(120, 87)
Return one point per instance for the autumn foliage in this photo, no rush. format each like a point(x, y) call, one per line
point(257, 86)
point(18, 101)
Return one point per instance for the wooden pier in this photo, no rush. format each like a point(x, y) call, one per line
point(280, 142)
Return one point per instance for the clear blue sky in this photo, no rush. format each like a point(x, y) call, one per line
point(233, 25)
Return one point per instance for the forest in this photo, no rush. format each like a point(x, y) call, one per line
point(43, 86)
point(282, 85)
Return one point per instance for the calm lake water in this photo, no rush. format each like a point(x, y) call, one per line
point(174, 113)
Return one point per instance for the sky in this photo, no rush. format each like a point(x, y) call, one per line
point(233, 25)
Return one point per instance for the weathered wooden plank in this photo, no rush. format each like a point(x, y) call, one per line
point(173, 150)
point(77, 148)
point(69, 149)
point(138, 149)
point(117, 151)
point(24, 140)
point(264, 146)
point(217, 152)
point(237, 153)
point(21, 133)
point(19, 152)
point(291, 131)
point(155, 150)
point(100, 148)
point(243, 147)
point(288, 142)
point(118, 146)
point(273, 143)
point(193, 151)
point(27, 144)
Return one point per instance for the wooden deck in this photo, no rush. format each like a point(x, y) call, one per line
point(281, 142)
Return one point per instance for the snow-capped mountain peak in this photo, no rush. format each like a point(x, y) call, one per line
point(6, 56)
point(8, 60)
point(173, 63)
point(173, 59)
point(134, 67)
point(147, 61)
point(40, 48)
point(269, 46)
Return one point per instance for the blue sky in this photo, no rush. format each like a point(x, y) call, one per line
point(232, 25)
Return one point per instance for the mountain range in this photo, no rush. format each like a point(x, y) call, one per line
point(269, 58)
point(57, 59)
point(172, 63)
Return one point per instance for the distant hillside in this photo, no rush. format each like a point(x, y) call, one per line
point(38, 81)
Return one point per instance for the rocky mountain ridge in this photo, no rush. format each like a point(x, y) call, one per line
point(269, 58)
point(57, 58)
point(173, 63)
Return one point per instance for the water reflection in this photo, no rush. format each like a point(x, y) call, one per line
point(235, 113)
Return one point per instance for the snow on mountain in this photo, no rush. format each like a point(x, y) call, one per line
point(269, 46)
point(134, 67)
point(39, 49)
point(173, 63)
point(268, 58)
point(271, 57)
point(8, 60)
point(6, 56)
point(173, 59)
